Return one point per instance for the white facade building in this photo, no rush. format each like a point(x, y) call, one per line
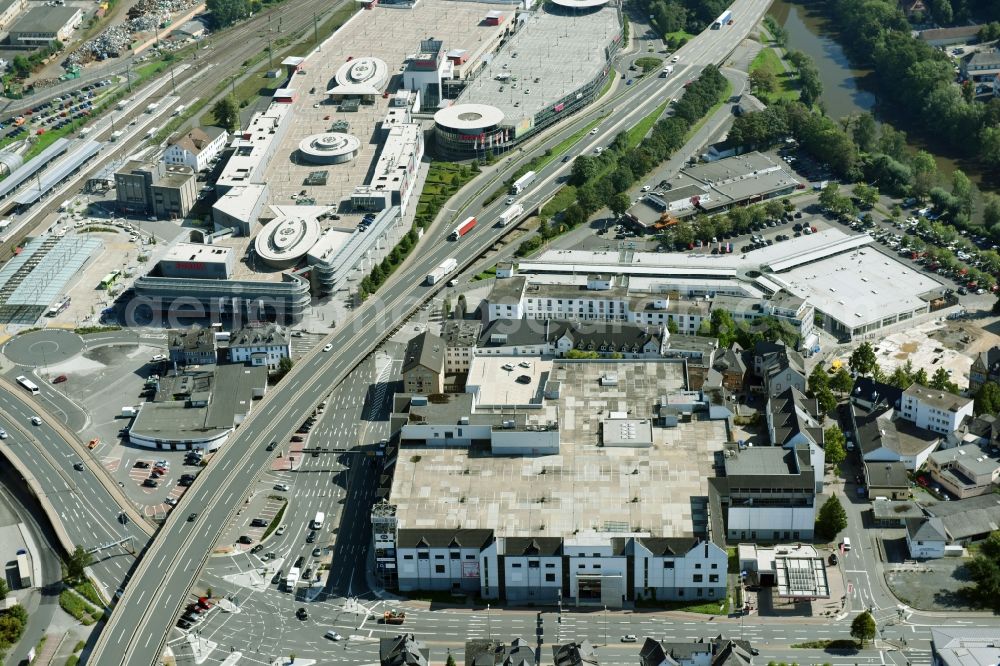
point(260, 345)
point(197, 148)
point(679, 569)
point(925, 538)
point(931, 409)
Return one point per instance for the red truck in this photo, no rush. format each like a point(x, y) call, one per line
point(463, 229)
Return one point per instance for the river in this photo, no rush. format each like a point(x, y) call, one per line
point(845, 89)
point(807, 32)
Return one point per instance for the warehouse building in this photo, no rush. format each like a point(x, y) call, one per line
point(43, 25)
point(395, 172)
point(841, 281)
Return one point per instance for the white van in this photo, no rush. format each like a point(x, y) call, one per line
point(317, 523)
point(847, 544)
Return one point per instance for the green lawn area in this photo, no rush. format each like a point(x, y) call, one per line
point(641, 128)
point(680, 34)
point(563, 199)
point(769, 61)
point(705, 607)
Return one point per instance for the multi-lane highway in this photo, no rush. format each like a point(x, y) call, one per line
point(136, 630)
point(87, 510)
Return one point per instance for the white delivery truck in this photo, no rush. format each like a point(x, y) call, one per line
point(522, 182)
point(446, 267)
point(128, 410)
point(292, 580)
point(510, 215)
point(152, 107)
point(317, 523)
point(667, 71)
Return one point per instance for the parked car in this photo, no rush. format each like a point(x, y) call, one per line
point(150, 483)
point(60, 379)
point(629, 638)
point(244, 539)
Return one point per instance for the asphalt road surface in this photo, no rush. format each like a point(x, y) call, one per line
point(136, 630)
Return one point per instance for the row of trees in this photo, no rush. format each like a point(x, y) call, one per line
point(692, 16)
point(917, 80)
point(726, 330)
point(381, 272)
point(604, 180)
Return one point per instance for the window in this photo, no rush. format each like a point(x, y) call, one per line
point(713, 578)
point(581, 566)
point(697, 565)
point(532, 564)
point(550, 565)
point(470, 557)
point(439, 568)
point(454, 555)
point(550, 578)
point(424, 556)
point(716, 566)
point(438, 557)
point(668, 564)
point(515, 565)
point(407, 557)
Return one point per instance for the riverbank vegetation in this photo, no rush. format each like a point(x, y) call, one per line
point(918, 82)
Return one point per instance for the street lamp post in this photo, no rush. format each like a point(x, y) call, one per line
point(489, 626)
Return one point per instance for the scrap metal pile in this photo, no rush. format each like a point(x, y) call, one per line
point(144, 17)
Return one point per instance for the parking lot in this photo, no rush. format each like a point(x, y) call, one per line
point(56, 114)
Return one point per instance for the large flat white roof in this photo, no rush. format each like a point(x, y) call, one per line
point(215, 254)
point(859, 287)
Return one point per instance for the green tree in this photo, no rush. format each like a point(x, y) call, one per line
point(987, 400)
point(723, 327)
point(831, 518)
point(961, 189)
point(984, 570)
point(863, 360)
point(941, 381)
point(827, 401)
point(450, 661)
point(991, 210)
point(900, 378)
point(866, 194)
point(77, 563)
point(21, 67)
point(4, 589)
point(584, 168)
point(863, 627)
point(763, 81)
point(828, 197)
point(842, 381)
point(227, 113)
point(227, 12)
point(865, 132)
point(619, 203)
point(834, 444)
point(920, 377)
point(818, 380)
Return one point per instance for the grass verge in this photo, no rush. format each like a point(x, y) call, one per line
point(73, 603)
point(273, 525)
point(87, 590)
point(702, 607)
point(639, 131)
point(769, 61)
point(827, 644)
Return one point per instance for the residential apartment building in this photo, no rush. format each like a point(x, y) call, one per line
point(423, 365)
point(718, 651)
point(586, 569)
point(403, 650)
point(985, 368)
point(460, 338)
point(793, 421)
point(884, 436)
point(193, 346)
point(778, 368)
point(982, 65)
point(964, 471)
point(935, 410)
point(537, 337)
point(264, 344)
point(925, 538)
point(765, 495)
point(197, 147)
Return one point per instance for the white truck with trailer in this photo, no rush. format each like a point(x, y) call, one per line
point(510, 215)
point(667, 71)
point(522, 182)
point(439, 273)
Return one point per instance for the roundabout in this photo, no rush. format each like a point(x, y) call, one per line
point(43, 348)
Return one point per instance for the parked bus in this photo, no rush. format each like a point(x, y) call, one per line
point(31, 386)
point(59, 307)
point(110, 279)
